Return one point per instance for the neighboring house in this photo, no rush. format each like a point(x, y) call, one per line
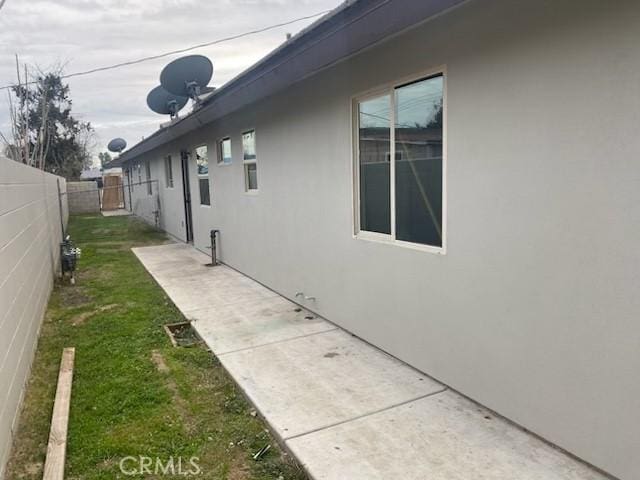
point(92, 174)
point(98, 173)
point(455, 182)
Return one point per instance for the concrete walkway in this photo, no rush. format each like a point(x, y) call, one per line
point(344, 408)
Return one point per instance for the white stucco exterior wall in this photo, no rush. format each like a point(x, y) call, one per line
point(533, 310)
point(30, 235)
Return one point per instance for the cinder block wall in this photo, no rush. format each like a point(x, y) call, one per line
point(83, 197)
point(30, 234)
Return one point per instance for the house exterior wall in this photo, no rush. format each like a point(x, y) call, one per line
point(533, 309)
point(168, 201)
point(30, 235)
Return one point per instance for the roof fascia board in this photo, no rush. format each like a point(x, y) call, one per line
point(350, 29)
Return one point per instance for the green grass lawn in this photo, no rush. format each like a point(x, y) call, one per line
point(133, 393)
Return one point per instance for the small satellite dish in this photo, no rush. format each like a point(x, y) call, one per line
point(117, 145)
point(187, 76)
point(165, 103)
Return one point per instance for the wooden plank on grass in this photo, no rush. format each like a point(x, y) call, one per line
point(57, 448)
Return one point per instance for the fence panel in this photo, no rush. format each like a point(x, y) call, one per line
point(32, 217)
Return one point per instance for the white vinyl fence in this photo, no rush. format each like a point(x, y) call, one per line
point(32, 215)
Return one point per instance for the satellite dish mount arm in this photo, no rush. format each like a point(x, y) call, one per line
point(193, 88)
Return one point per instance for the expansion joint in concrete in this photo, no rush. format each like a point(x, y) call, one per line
point(368, 414)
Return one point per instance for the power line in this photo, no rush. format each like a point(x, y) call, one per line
point(181, 50)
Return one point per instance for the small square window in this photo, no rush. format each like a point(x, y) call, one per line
point(224, 152)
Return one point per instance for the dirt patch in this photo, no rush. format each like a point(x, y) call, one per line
point(178, 401)
point(84, 316)
point(331, 355)
point(238, 470)
point(81, 318)
point(95, 274)
point(181, 406)
point(158, 361)
point(74, 296)
point(34, 469)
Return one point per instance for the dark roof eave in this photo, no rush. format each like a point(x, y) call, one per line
point(350, 28)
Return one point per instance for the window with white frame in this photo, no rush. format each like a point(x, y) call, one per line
point(168, 171)
point(250, 161)
point(399, 164)
point(202, 165)
point(147, 171)
point(224, 151)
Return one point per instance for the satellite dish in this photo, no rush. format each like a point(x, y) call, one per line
point(117, 145)
point(187, 76)
point(165, 103)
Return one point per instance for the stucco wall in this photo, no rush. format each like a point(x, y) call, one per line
point(30, 234)
point(165, 200)
point(533, 311)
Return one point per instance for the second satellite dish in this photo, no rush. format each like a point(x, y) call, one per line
point(117, 145)
point(165, 103)
point(187, 76)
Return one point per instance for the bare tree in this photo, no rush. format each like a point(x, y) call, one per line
point(22, 143)
point(44, 132)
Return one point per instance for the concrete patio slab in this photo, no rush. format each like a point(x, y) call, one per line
point(345, 409)
point(442, 437)
point(253, 323)
point(316, 381)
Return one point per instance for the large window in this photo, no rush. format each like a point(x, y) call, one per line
point(250, 161)
point(202, 163)
point(168, 171)
point(224, 152)
point(400, 163)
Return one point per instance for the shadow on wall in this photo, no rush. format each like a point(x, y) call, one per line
point(32, 218)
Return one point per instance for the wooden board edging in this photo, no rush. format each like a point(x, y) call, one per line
point(57, 448)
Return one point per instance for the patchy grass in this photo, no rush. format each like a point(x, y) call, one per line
point(133, 393)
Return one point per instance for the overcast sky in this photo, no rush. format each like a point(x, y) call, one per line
point(84, 34)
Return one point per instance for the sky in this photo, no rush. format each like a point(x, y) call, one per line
point(84, 34)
